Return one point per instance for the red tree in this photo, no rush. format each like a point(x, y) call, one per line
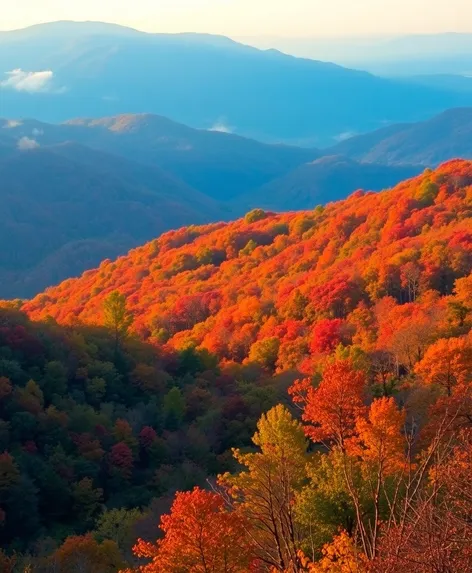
point(200, 536)
point(331, 409)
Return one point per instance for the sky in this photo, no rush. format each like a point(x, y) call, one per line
point(286, 18)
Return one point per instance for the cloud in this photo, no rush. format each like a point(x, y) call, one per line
point(221, 127)
point(37, 132)
point(26, 143)
point(345, 136)
point(12, 123)
point(31, 82)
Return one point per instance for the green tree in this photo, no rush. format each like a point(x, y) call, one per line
point(55, 379)
point(119, 526)
point(265, 352)
point(324, 504)
point(255, 215)
point(87, 500)
point(249, 248)
point(174, 408)
point(96, 389)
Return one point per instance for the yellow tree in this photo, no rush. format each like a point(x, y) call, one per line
point(116, 315)
point(264, 493)
point(340, 556)
point(84, 553)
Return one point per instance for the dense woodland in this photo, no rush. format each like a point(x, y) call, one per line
point(98, 430)
point(345, 331)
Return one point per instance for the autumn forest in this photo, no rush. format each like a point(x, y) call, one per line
point(283, 393)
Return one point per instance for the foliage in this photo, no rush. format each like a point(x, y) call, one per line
point(90, 433)
point(332, 408)
point(280, 464)
point(362, 310)
point(201, 536)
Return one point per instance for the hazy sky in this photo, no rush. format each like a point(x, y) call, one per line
point(253, 17)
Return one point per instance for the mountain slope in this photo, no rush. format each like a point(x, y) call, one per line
point(428, 143)
point(201, 81)
point(445, 81)
point(329, 178)
point(218, 164)
point(405, 55)
point(65, 208)
point(237, 288)
point(76, 193)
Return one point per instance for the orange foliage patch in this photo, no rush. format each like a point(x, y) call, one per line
point(366, 263)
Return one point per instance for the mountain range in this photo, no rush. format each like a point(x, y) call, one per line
point(233, 268)
point(76, 193)
point(386, 55)
point(64, 69)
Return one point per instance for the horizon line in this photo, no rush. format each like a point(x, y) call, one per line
point(379, 35)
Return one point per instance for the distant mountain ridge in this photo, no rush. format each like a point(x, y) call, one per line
point(385, 55)
point(66, 207)
point(428, 143)
point(327, 178)
point(221, 165)
point(202, 81)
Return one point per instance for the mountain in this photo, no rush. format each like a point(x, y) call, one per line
point(78, 192)
point(394, 56)
point(218, 164)
point(329, 178)
point(229, 286)
point(66, 207)
point(60, 70)
point(453, 82)
point(428, 143)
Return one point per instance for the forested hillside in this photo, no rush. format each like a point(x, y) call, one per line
point(98, 430)
point(264, 281)
point(361, 310)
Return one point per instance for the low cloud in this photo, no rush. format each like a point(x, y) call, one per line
point(27, 143)
point(31, 82)
point(345, 136)
point(37, 132)
point(12, 123)
point(221, 127)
